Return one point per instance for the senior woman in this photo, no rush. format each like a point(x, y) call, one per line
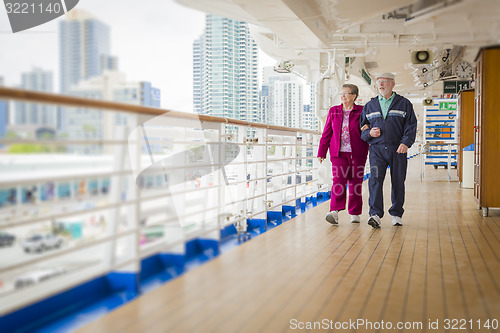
point(348, 152)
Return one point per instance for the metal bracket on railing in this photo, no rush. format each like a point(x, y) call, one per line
point(241, 228)
point(250, 141)
point(268, 203)
point(228, 137)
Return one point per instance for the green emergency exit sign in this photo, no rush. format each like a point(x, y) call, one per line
point(447, 106)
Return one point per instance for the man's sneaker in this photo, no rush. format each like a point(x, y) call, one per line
point(374, 221)
point(396, 220)
point(333, 217)
point(355, 219)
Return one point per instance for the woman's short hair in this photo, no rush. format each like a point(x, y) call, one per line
point(354, 89)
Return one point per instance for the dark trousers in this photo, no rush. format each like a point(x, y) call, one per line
point(380, 157)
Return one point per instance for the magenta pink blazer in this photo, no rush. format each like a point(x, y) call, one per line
point(333, 128)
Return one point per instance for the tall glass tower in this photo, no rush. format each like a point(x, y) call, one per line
point(197, 75)
point(228, 61)
point(36, 114)
point(84, 47)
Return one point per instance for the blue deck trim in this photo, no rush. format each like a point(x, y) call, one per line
point(228, 231)
point(56, 307)
point(274, 218)
point(288, 213)
point(257, 225)
point(128, 282)
point(74, 308)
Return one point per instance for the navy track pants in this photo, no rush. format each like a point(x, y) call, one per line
point(382, 156)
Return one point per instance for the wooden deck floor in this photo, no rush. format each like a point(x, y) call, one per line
point(442, 264)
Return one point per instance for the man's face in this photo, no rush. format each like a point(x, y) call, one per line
point(385, 86)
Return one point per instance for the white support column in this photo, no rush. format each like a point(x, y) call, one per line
point(220, 181)
point(115, 198)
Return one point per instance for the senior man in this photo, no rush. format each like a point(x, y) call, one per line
point(389, 125)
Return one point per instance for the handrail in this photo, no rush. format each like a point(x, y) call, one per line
point(257, 184)
point(48, 98)
point(425, 150)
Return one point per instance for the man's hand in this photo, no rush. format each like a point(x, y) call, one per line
point(375, 132)
point(402, 149)
point(321, 159)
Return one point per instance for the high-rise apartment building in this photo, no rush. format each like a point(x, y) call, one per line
point(84, 48)
point(226, 57)
point(197, 75)
point(282, 98)
point(264, 104)
point(311, 121)
point(288, 104)
point(31, 119)
point(82, 123)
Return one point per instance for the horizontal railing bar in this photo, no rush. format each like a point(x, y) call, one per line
point(245, 199)
point(17, 182)
point(47, 98)
point(63, 215)
point(62, 252)
point(287, 188)
point(54, 142)
point(159, 247)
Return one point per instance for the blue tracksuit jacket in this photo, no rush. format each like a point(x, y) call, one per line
point(400, 125)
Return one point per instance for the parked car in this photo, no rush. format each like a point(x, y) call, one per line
point(37, 276)
point(6, 239)
point(41, 242)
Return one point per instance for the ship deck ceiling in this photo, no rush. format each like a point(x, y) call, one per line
point(443, 263)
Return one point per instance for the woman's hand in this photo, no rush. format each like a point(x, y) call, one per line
point(375, 132)
point(365, 127)
point(321, 159)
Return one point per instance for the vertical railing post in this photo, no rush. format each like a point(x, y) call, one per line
point(266, 166)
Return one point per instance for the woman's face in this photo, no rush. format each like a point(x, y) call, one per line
point(347, 97)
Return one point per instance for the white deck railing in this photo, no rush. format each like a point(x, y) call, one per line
point(148, 187)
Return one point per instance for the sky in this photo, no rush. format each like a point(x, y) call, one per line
point(152, 40)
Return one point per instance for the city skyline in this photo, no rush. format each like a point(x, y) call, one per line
point(144, 48)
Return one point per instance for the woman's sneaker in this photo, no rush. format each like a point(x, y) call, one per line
point(333, 217)
point(355, 219)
